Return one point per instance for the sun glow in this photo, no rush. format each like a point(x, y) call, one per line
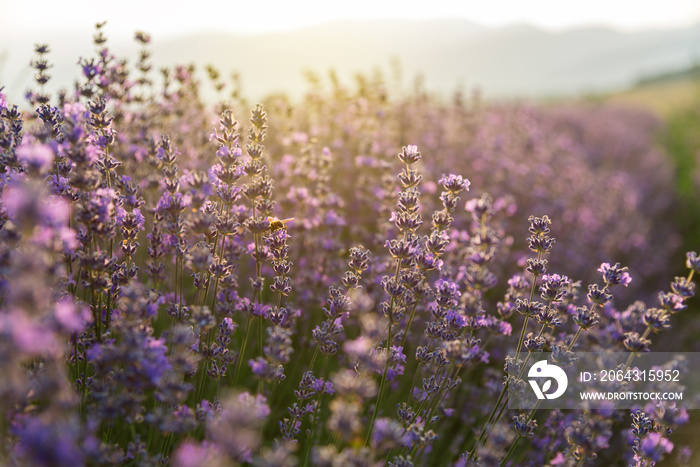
point(174, 17)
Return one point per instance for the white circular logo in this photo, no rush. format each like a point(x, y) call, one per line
point(542, 369)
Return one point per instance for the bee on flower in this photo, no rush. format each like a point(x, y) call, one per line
point(277, 224)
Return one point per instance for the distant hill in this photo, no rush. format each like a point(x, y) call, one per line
point(513, 61)
point(664, 94)
point(688, 73)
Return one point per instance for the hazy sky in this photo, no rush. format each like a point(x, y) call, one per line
point(168, 18)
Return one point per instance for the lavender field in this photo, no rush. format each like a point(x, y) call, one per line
point(349, 278)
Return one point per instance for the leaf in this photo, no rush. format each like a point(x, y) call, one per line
point(546, 386)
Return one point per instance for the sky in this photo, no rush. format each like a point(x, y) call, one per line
point(174, 17)
point(68, 25)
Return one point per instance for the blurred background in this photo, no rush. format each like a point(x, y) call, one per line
point(541, 49)
point(644, 55)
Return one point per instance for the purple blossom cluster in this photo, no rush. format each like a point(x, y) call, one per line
point(180, 285)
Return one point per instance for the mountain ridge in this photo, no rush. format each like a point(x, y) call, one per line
point(517, 60)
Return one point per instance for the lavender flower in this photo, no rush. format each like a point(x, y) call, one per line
point(154, 310)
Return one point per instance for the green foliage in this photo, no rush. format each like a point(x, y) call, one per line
point(681, 140)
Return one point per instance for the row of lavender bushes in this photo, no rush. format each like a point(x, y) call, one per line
point(158, 305)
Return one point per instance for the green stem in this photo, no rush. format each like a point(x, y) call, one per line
point(202, 381)
point(440, 394)
point(317, 406)
point(493, 419)
point(415, 380)
point(510, 451)
point(576, 336)
point(381, 385)
point(241, 352)
point(408, 326)
point(388, 352)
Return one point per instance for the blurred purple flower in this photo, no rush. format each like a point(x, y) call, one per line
point(47, 443)
point(37, 157)
point(70, 316)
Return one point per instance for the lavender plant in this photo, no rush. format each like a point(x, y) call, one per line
point(169, 295)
